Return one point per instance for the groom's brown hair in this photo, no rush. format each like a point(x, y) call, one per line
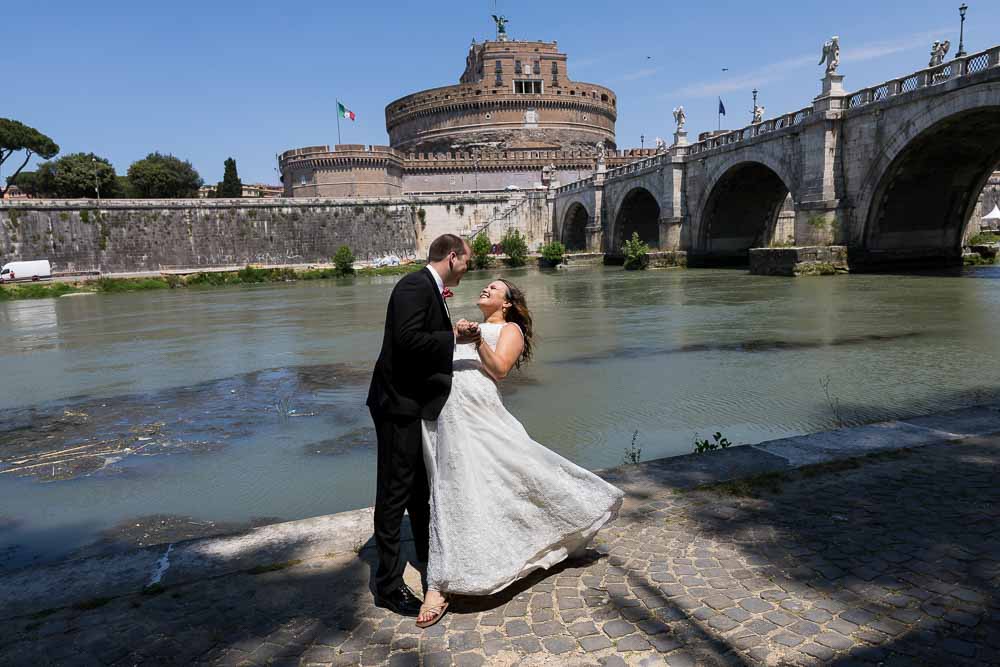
point(444, 244)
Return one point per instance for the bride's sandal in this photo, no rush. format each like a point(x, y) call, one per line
point(438, 611)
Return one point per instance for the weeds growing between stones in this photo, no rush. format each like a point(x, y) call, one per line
point(633, 454)
point(274, 567)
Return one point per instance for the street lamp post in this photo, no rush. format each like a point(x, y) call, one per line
point(97, 182)
point(642, 141)
point(961, 31)
point(753, 113)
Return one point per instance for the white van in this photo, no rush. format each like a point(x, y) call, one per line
point(33, 270)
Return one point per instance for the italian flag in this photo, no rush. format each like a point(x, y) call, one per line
point(344, 112)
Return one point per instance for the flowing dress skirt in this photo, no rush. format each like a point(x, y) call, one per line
point(502, 505)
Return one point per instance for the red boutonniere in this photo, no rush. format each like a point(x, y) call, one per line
point(447, 293)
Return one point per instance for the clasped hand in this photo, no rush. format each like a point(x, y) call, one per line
point(466, 332)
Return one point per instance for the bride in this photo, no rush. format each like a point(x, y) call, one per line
point(502, 505)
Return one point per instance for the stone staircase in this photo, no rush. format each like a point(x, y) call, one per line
point(507, 214)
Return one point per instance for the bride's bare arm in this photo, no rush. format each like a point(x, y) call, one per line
point(497, 363)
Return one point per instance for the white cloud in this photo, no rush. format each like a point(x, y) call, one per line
point(757, 77)
point(874, 50)
point(640, 73)
point(582, 63)
point(779, 70)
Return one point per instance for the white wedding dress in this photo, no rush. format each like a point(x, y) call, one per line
point(502, 505)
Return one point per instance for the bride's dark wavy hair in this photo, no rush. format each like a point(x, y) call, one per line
point(520, 315)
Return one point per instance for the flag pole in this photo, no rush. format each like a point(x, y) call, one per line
point(338, 121)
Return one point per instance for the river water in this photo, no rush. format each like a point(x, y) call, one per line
point(206, 410)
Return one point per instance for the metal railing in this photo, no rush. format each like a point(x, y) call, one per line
point(750, 131)
point(929, 76)
point(504, 215)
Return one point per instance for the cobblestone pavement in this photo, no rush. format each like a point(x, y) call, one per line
point(895, 560)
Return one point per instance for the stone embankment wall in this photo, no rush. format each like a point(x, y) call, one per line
point(123, 236)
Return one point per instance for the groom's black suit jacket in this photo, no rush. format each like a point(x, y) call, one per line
point(413, 373)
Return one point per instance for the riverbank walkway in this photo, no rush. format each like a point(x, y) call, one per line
point(876, 545)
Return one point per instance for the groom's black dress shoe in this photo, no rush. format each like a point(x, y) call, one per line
point(402, 601)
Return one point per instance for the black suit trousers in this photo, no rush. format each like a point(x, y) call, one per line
point(401, 485)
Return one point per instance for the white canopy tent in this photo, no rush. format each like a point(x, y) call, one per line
point(994, 214)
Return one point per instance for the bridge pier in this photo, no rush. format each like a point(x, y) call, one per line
point(670, 233)
point(818, 223)
point(804, 261)
point(595, 237)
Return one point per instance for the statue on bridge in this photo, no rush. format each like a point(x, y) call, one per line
point(680, 118)
point(758, 114)
point(831, 55)
point(602, 152)
point(938, 51)
point(661, 145)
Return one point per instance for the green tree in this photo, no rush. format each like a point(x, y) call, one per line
point(158, 176)
point(76, 174)
point(636, 253)
point(344, 261)
point(553, 253)
point(481, 248)
point(28, 182)
point(515, 247)
point(16, 137)
point(123, 188)
point(230, 185)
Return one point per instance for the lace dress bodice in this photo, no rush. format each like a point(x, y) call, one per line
point(490, 333)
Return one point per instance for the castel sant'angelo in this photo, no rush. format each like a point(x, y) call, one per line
point(515, 118)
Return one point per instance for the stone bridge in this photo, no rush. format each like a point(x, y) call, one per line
point(892, 172)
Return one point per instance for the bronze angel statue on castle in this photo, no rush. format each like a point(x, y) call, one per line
point(501, 22)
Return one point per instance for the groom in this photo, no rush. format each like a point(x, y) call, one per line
point(411, 382)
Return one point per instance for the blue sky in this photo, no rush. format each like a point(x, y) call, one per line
point(219, 78)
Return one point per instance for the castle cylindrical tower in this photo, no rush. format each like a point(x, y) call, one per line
point(513, 95)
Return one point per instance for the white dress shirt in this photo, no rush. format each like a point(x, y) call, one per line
point(440, 285)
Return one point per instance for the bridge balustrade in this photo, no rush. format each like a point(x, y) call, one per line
point(929, 76)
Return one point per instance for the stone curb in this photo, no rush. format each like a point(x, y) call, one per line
point(73, 582)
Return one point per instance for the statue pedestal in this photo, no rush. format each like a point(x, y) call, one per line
point(833, 84)
point(832, 97)
point(680, 138)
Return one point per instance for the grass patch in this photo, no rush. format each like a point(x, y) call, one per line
point(982, 238)
point(829, 467)
point(749, 487)
point(399, 270)
point(975, 259)
point(114, 285)
point(815, 269)
point(245, 276)
point(92, 603)
point(37, 291)
point(772, 482)
point(273, 567)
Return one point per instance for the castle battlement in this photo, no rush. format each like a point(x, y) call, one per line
point(515, 113)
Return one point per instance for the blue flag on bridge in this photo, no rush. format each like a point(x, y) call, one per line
point(722, 109)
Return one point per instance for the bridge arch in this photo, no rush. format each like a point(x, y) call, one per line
point(919, 193)
point(574, 227)
point(638, 212)
point(740, 210)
